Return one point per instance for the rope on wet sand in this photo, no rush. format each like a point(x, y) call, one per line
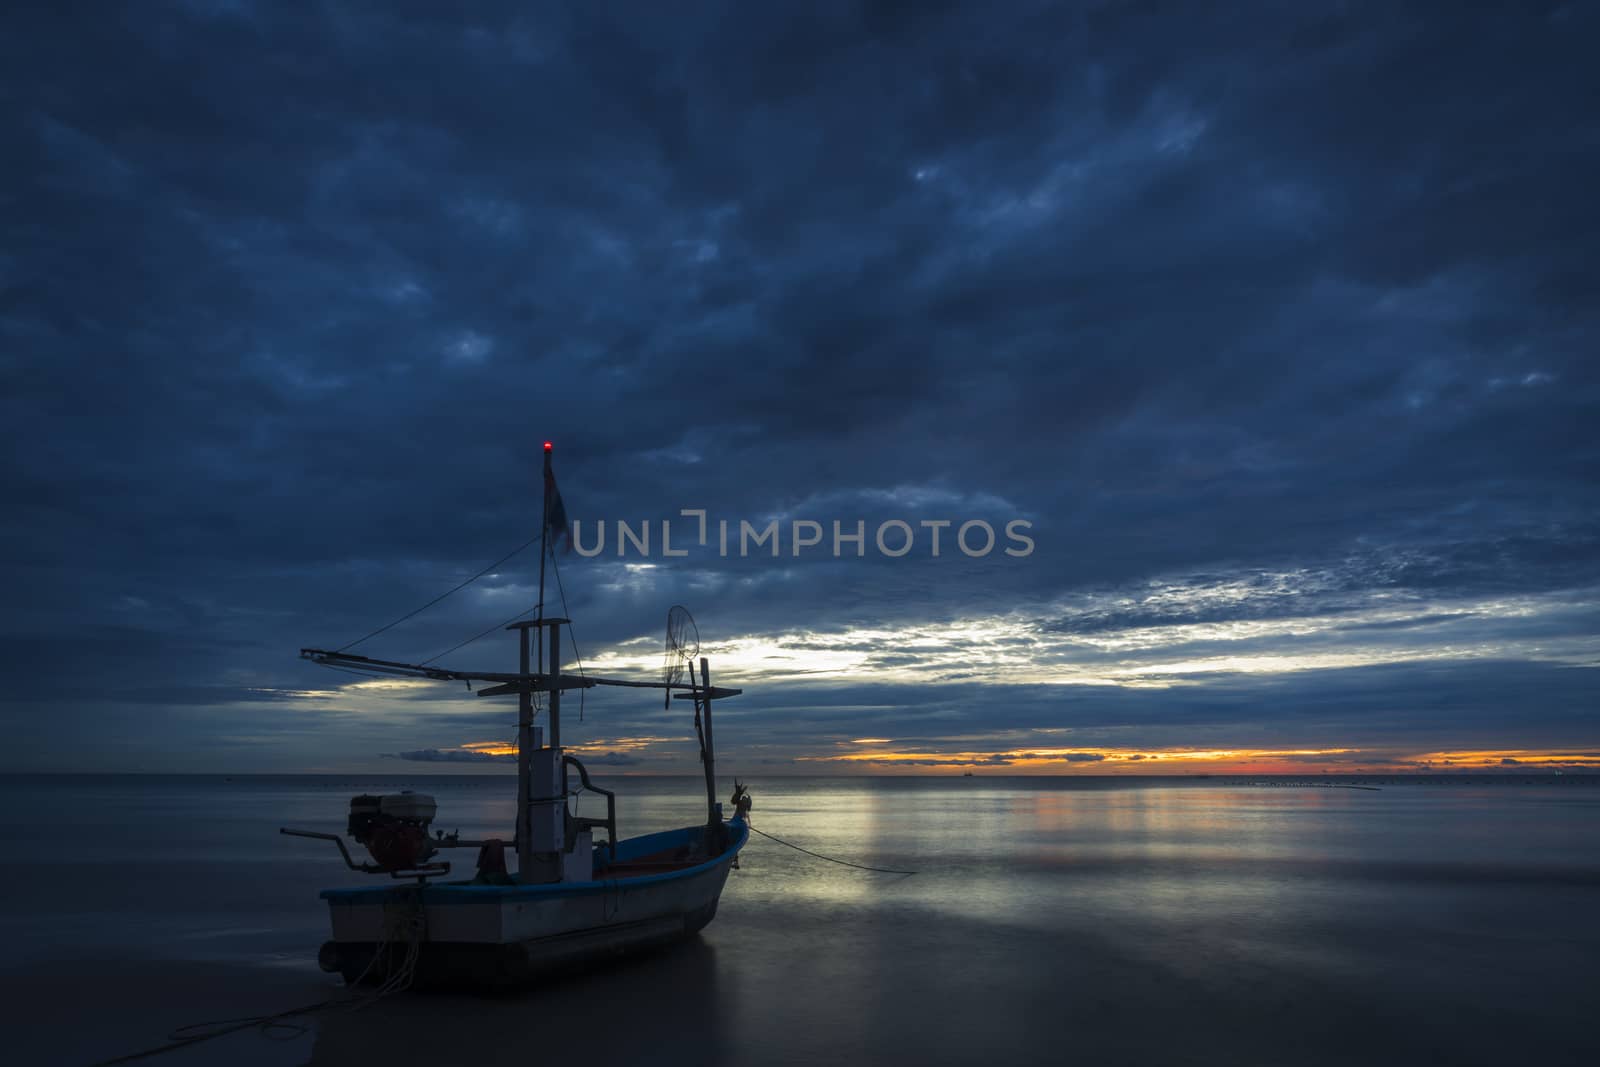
point(195, 1033)
point(404, 927)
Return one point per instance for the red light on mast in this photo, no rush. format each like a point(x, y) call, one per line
point(548, 446)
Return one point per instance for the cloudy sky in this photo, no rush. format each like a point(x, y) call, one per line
point(1271, 323)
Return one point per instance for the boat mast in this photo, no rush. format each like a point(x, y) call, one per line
point(544, 544)
point(525, 745)
point(524, 759)
point(555, 690)
point(525, 694)
point(541, 772)
point(710, 753)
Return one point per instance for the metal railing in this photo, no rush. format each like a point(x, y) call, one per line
point(611, 806)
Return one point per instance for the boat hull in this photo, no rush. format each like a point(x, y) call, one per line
point(490, 935)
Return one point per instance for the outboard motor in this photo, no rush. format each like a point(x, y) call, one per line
point(394, 828)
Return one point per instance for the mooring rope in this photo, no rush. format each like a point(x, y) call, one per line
point(406, 917)
point(830, 859)
point(194, 1033)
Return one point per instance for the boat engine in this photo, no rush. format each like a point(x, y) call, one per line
point(394, 828)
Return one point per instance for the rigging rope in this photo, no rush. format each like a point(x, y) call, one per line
point(441, 596)
point(820, 856)
point(570, 635)
point(498, 626)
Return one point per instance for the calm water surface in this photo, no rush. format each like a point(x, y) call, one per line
point(1127, 921)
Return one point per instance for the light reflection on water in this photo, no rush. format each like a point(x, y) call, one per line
point(1146, 922)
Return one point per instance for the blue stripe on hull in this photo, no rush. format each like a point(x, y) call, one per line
point(445, 893)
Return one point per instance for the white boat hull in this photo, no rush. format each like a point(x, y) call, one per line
point(493, 935)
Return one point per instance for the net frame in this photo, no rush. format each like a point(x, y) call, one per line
point(682, 645)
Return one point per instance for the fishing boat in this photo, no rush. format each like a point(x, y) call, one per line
point(571, 898)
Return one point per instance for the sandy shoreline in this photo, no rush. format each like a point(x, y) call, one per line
point(814, 993)
point(83, 1011)
point(1137, 926)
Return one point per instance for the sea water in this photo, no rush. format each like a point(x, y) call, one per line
point(1100, 920)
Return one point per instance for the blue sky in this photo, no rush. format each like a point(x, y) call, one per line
point(1276, 325)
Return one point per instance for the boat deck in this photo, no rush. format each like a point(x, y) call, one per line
point(664, 861)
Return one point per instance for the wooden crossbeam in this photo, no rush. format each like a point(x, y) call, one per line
point(539, 684)
point(507, 682)
point(715, 693)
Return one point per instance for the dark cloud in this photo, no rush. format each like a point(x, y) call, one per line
point(1276, 324)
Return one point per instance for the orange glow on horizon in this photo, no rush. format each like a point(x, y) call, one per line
point(1506, 758)
point(1079, 759)
point(1091, 760)
point(491, 748)
point(597, 747)
point(1096, 760)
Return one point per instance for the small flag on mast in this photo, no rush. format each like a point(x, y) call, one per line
point(556, 530)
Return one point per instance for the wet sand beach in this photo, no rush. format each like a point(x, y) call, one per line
point(1210, 924)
